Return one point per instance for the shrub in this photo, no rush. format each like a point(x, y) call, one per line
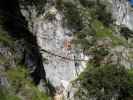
point(72, 16)
point(22, 85)
point(106, 82)
point(5, 95)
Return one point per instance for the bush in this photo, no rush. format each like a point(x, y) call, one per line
point(5, 39)
point(106, 82)
point(72, 16)
point(21, 85)
point(5, 95)
point(88, 3)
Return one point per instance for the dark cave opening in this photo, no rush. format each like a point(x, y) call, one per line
point(16, 26)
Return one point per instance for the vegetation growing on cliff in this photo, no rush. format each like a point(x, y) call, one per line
point(20, 86)
point(15, 80)
point(106, 82)
point(95, 33)
point(17, 45)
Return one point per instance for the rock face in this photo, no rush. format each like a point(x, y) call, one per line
point(24, 44)
point(123, 13)
point(52, 41)
point(62, 62)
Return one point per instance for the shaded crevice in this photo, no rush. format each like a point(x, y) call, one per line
point(126, 32)
point(16, 25)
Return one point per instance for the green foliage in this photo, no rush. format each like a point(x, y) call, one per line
point(105, 82)
point(20, 84)
point(99, 53)
point(3, 60)
point(38, 4)
point(88, 21)
point(87, 3)
point(100, 79)
point(17, 78)
point(102, 15)
point(39, 95)
point(72, 16)
point(5, 39)
point(104, 32)
point(4, 95)
point(101, 30)
point(118, 40)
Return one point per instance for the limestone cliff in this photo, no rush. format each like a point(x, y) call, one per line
point(66, 46)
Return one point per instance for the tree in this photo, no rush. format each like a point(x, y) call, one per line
point(106, 82)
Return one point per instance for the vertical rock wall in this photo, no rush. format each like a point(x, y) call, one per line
point(123, 12)
point(62, 62)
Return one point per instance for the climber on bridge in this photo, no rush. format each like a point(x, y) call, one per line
point(131, 2)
